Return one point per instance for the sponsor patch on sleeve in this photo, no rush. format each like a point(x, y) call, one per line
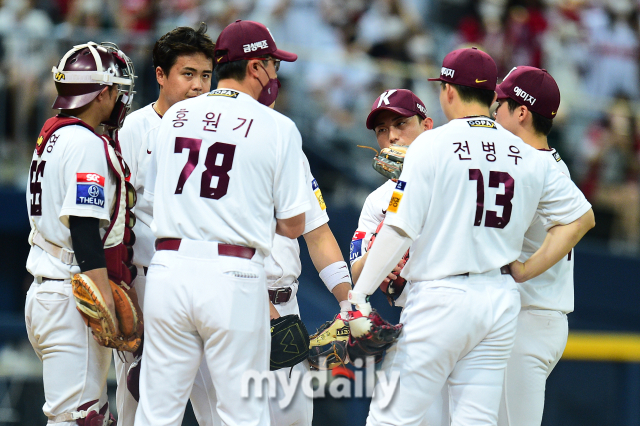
point(396, 197)
point(355, 249)
point(90, 189)
point(556, 156)
point(316, 190)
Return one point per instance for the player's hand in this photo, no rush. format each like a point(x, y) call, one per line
point(518, 271)
point(396, 272)
point(359, 323)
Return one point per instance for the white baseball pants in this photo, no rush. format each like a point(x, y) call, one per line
point(200, 304)
point(75, 367)
point(457, 330)
point(539, 344)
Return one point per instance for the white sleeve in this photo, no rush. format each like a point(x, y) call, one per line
point(383, 257)
point(411, 198)
point(317, 215)
point(561, 202)
point(85, 176)
point(290, 192)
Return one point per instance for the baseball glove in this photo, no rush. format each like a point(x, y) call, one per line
point(328, 347)
point(289, 342)
point(373, 336)
point(393, 289)
point(389, 162)
point(92, 307)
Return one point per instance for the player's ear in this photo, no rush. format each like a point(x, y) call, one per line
point(427, 124)
point(160, 76)
point(523, 112)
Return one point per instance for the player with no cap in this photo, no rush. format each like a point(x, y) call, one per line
point(466, 196)
point(225, 173)
point(529, 99)
point(76, 184)
point(183, 63)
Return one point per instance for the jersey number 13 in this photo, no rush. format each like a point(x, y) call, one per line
point(492, 220)
point(220, 169)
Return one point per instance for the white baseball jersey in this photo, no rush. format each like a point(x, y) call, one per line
point(71, 178)
point(373, 212)
point(469, 190)
point(134, 144)
point(223, 164)
point(283, 266)
point(553, 289)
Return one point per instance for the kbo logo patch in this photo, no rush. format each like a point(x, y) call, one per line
point(90, 189)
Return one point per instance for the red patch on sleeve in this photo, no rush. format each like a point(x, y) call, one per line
point(90, 178)
point(359, 235)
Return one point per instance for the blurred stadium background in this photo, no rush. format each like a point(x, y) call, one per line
point(350, 51)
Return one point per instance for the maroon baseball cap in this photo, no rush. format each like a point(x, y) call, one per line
point(400, 101)
point(247, 40)
point(533, 88)
point(469, 67)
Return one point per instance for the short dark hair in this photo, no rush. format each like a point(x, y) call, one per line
point(471, 94)
point(235, 70)
point(182, 41)
point(541, 125)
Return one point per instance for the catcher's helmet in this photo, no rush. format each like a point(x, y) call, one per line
point(84, 71)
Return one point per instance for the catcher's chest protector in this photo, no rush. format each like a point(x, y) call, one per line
point(119, 238)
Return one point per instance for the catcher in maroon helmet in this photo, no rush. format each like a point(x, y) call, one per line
point(78, 204)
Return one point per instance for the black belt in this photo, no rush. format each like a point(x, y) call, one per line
point(505, 270)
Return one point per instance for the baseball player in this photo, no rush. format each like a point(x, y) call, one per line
point(73, 189)
point(225, 172)
point(397, 117)
point(283, 268)
point(467, 194)
point(183, 61)
point(528, 102)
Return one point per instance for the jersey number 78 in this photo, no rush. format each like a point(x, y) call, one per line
point(220, 169)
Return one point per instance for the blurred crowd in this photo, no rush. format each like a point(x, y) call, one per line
point(351, 50)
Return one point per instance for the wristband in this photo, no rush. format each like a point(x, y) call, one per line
point(335, 274)
point(345, 306)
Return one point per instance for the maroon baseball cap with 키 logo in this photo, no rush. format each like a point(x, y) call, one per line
point(400, 101)
point(533, 88)
point(469, 67)
point(247, 40)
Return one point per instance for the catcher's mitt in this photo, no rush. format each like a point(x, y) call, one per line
point(328, 347)
point(393, 289)
point(289, 342)
point(374, 336)
point(390, 160)
point(92, 307)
